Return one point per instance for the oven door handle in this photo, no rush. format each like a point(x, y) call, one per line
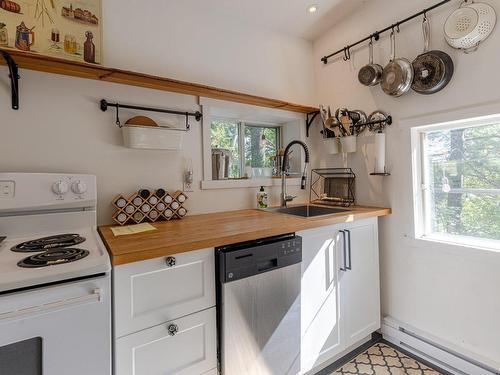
point(95, 296)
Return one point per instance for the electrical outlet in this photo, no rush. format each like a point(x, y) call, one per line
point(188, 187)
point(7, 189)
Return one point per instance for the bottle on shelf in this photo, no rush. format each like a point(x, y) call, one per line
point(89, 48)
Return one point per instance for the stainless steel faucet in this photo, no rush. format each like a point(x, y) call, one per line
point(284, 195)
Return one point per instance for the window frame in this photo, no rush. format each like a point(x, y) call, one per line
point(291, 124)
point(422, 202)
point(241, 137)
point(245, 124)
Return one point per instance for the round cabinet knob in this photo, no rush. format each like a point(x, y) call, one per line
point(60, 187)
point(171, 261)
point(172, 329)
point(79, 187)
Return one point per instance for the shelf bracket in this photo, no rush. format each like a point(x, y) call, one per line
point(14, 78)
point(309, 120)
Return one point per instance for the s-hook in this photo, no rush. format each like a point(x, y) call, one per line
point(118, 116)
point(14, 78)
point(347, 53)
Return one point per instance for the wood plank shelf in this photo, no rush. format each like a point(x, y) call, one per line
point(55, 65)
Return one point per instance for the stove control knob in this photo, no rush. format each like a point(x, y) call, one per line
point(60, 187)
point(79, 187)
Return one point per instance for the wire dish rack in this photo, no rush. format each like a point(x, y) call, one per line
point(333, 186)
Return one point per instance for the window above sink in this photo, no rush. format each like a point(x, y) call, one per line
point(249, 136)
point(249, 147)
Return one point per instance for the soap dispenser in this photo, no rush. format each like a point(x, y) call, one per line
point(262, 198)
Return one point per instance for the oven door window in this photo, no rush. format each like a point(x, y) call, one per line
point(22, 358)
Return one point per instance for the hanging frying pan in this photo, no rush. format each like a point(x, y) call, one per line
point(398, 74)
point(371, 74)
point(432, 70)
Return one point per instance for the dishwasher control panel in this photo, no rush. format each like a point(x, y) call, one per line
point(239, 261)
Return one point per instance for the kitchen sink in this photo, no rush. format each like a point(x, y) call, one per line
point(307, 210)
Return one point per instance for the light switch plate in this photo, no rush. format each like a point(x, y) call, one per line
point(7, 189)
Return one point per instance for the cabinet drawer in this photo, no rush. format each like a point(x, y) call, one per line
point(152, 292)
point(191, 350)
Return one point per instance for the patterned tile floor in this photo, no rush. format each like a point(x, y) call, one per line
point(381, 359)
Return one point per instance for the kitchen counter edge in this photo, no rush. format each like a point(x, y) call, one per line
point(218, 229)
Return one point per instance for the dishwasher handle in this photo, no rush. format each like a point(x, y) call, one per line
point(268, 265)
point(239, 262)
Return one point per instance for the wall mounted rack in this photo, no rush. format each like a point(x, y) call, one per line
point(14, 78)
point(376, 35)
point(104, 104)
point(387, 121)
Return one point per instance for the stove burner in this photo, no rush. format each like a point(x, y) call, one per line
point(42, 244)
point(53, 257)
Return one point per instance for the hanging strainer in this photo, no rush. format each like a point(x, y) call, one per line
point(469, 25)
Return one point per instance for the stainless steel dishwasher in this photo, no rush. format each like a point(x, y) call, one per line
point(258, 306)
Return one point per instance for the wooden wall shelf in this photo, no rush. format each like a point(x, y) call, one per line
point(100, 73)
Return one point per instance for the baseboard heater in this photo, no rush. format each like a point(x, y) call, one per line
point(450, 360)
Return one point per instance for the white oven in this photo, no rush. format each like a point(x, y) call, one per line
point(57, 330)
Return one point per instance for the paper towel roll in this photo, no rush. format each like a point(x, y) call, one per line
point(379, 153)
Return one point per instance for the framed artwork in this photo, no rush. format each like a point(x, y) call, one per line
point(68, 29)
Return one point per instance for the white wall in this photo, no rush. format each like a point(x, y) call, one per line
point(449, 291)
point(195, 41)
point(61, 129)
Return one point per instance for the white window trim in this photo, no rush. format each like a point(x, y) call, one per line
point(213, 109)
point(421, 201)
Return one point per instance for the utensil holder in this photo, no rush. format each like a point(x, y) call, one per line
point(348, 143)
point(331, 145)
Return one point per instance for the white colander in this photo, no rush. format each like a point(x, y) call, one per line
point(469, 25)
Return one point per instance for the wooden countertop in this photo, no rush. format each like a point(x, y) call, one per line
point(218, 229)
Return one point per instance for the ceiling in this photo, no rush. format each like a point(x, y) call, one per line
point(287, 16)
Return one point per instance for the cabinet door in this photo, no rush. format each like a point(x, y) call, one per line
point(360, 286)
point(320, 308)
point(152, 292)
point(190, 351)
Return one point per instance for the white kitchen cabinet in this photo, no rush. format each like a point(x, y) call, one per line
point(185, 346)
point(155, 291)
point(340, 296)
point(320, 310)
point(360, 286)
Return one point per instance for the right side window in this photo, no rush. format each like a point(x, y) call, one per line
point(459, 168)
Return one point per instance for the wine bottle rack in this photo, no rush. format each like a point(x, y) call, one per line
point(159, 205)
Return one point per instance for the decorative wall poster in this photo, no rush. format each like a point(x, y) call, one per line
point(69, 29)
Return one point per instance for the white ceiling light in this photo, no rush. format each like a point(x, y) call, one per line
point(312, 8)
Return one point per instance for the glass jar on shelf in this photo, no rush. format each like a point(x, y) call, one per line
point(4, 35)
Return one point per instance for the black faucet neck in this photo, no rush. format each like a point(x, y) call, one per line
point(287, 149)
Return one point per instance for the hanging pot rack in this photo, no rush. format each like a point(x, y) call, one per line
point(14, 78)
point(376, 35)
point(104, 104)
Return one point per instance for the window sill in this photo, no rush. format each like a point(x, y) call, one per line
point(249, 183)
point(464, 241)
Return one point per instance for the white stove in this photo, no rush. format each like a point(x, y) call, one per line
point(91, 259)
point(55, 288)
